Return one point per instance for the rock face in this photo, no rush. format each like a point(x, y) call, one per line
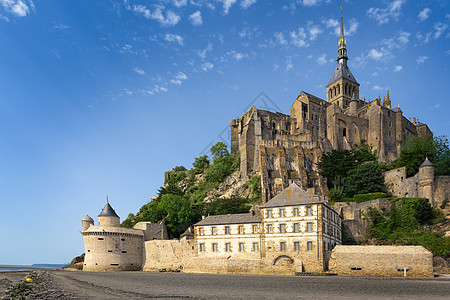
point(76, 263)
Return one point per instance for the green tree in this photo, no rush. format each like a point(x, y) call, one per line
point(219, 150)
point(200, 164)
point(365, 178)
point(221, 206)
point(414, 152)
point(176, 211)
point(334, 164)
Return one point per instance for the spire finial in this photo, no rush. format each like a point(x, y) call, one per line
point(107, 200)
point(342, 52)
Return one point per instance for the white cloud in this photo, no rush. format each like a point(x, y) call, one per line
point(61, 26)
point(314, 31)
point(238, 56)
point(174, 38)
point(196, 18)
point(377, 88)
point(139, 71)
point(180, 3)
point(247, 3)
point(384, 15)
point(436, 106)
point(375, 54)
point(3, 18)
point(421, 59)
point(424, 14)
point(280, 38)
point(127, 49)
point(227, 5)
point(203, 53)
point(289, 64)
point(154, 90)
point(398, 68)
point(207, 66)
point(439, 29)
point(170, 19)
point(310, 2)
point(179, 78)
point(322, 59)
point(298, 38)
point(17, 7)
point(404, 37)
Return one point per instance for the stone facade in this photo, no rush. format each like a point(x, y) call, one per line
point(382, 261)
point(424, 184)
point(285, 148)
point(294, 232)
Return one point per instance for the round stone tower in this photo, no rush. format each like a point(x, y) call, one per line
point(110, 247)
point(426, 180)
point(87, 222)
point(353, 106)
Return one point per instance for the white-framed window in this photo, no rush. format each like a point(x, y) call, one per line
point(309, 246)
point(202, 247)
point(269, 213)
point(309, 227)
point(241, 229)
point(227, 229)
point(309, 211)
point(281, 212)
point(255, 247)
point(214, 247)
point(282, 246)
point(201, 231)
point(241, 247)
point(255, 229)
point(228, 247)
point(295, 212)
point(296, 227)
point(214, 230)
point(297, 246)
point(269, 228)
point(282, 228)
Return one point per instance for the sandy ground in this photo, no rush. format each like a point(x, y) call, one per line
point(146, 285)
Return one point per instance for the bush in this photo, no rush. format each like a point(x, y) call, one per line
point(200, 164)
point(367, 197)
point(222, 206)
point(335, 194)
point(404, 224)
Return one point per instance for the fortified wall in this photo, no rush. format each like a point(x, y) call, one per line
point(424, 184)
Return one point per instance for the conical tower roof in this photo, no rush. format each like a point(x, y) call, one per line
point(108, 211)
point(426, 163)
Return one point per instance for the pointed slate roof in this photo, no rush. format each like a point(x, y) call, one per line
point(108, 211)
point(426, 163)
point(342, 70)
point(292, 195)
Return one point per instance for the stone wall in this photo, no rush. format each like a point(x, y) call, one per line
point(381, 261)
point(281, 266)
point(441, 190)
point(167, 254)
point(356, 211)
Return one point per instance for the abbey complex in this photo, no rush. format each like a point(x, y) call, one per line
point(295, 230)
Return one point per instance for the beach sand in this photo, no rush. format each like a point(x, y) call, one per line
point(63, 284)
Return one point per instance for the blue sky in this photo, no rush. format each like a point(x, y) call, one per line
point(101, 97)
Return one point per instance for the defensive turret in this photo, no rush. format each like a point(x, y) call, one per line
point(426, 180)
point(87, 222)
point(108, 216)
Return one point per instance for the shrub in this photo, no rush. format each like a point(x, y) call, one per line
point(367, 197)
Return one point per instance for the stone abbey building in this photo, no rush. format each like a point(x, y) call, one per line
point(285, 148)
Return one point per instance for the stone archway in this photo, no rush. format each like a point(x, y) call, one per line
point(283, 260)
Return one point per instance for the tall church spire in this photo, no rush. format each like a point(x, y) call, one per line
point(342, 52)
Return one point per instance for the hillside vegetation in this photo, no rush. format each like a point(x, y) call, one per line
point(180, 201)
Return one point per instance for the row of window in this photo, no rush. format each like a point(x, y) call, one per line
point(255, 229)
point(255, 247)
point(282, 212)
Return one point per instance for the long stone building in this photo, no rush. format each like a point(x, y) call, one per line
point(285, 148)
point(294, 232)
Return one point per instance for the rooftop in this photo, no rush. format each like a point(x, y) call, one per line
point(293, 195)
point(230, 219)
point(108, 211)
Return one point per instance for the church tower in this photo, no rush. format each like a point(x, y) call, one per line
point(342, 85)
